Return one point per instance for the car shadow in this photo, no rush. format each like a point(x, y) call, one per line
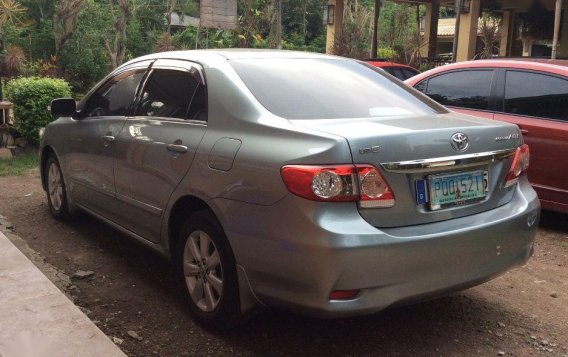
point(554, 221)
point(146, 284)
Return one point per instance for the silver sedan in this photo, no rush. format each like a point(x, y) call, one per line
point(292, 180)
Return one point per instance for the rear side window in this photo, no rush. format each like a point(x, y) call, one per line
point(465, 89)
point(171, 94)
point(536, 95)
point(304, 88)
point(408, 73)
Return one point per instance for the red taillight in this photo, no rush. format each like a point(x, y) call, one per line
point(343, 294)
point(519, 166)
point(375, 191)
point(339, 183)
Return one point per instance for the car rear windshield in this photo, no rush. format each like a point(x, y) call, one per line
point(329, 89)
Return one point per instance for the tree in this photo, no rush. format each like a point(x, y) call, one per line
point(115, 41)
point(65, 21)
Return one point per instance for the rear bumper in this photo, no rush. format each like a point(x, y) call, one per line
point(297, 252)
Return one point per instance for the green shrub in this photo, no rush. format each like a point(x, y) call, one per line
point(31, 97)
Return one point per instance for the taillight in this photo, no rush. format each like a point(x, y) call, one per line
point(519, 166)
point(375, 191)
point(339, 183)
point(321, 183)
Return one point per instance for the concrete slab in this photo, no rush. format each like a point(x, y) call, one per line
point(37, 319)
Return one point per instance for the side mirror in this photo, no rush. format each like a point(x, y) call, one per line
point(63, 107)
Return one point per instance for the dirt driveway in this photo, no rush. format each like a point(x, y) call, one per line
point(133, 299)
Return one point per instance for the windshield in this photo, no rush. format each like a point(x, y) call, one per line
point(329, 89)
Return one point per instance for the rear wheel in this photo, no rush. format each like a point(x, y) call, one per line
point(207, 268)
point(56, 193)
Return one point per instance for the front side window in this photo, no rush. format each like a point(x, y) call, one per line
point(115, 97)
point(536, 95)
point(302, 88)
point(170, 94)
point(465, 89)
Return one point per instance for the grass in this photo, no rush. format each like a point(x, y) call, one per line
point(18, 165)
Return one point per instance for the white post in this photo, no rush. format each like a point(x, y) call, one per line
point(557, 14)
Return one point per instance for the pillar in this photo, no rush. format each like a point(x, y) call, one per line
point(563, 48)
point(334, 30)
point(527, 46)
point(506, 34)
point(468, 32)
point(429, 47)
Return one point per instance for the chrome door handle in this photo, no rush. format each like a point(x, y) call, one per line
point(524, 131)
point(107, 140)
point(177, 148)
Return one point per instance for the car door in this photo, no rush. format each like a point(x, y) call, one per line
point(91, 143)
point(464, 91)
point(156, 146)
point(538, 104)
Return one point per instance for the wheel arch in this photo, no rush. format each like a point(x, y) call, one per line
point(184, 207)
point(46, 152)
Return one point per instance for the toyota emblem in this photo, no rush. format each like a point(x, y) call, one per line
point(460, 142)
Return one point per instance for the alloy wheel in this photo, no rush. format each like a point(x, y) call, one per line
point(203, 271)
point(55, 186)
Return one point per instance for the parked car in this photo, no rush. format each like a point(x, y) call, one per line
point(292, 180)
point(532, 93)
point(400, 71)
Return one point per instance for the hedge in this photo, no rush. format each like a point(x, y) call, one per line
point(31, 97)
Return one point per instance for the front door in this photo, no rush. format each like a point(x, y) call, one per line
point(156, 146)
point(92, 140)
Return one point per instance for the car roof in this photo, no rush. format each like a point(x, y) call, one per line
point(538, 64)
point(205, 56)
point(383, 64)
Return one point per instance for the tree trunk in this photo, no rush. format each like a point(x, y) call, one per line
point(248, 31)
point(65, 21)
point(116, 45)
point(375, 40)
point(172, 4)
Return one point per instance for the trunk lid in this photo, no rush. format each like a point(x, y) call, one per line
point(414, 153)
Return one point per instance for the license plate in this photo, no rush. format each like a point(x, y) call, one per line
point(457, 189)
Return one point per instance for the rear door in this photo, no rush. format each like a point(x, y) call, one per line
point(538, 103)
point(465, 91)
point(157, 144)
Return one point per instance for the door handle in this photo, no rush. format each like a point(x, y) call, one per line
point(107, 140)
point(177, 148)
point(524, 131)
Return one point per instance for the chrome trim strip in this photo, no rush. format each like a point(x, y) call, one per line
point(144, 206)
point(155, 246)
point(467, 160)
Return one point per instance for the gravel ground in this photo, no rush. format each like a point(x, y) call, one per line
point(133, 298)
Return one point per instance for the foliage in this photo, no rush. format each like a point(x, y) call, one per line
point(18, 165)
point(489, 26)
point(353, 40)
point(81, 40)
point(31, 97)
point(84, 58)
point(14, 61)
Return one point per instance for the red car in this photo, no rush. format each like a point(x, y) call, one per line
point(532, 93)
point(400, 71)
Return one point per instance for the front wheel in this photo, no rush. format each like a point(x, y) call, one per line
point(56, 193)
point(207, 268)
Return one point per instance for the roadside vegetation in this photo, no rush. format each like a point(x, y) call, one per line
point(18, 165)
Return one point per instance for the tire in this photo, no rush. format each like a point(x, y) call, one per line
point(56, 190)
point(207, 270)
